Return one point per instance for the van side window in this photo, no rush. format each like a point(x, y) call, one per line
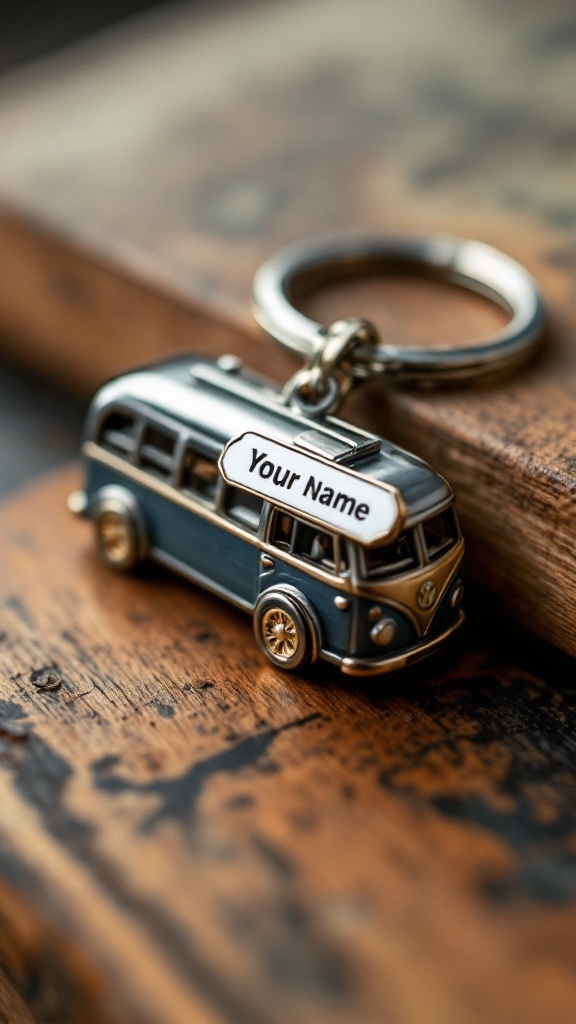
point(118, 433)
point(315, 546)
point(200, 475)
point(243, 507)
point(157, 451)
point(281, 530)
point(307, 542)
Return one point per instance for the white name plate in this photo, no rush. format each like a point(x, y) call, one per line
point(332, 495)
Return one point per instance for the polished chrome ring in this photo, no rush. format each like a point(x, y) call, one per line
point(473, 265)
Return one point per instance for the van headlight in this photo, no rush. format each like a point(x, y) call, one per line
point(383, 632)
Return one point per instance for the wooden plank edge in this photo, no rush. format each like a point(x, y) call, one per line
point(79, 314)
point(124, 317)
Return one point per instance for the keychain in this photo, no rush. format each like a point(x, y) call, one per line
point(339, 544)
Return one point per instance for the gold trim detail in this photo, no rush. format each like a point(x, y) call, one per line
point(402, 592)
point(114, 536)
point(93, 451)
point(279, 634)
point(399, 592)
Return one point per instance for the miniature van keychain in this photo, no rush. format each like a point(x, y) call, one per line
point(339, 544)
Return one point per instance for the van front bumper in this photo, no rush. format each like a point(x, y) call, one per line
point(377, 666)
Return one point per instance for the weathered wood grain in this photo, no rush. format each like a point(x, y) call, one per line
point(13, 1010)
point(144, 175)
point(188, 835)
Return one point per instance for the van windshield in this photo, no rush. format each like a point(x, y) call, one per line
point(440, 533)
point(398, 556)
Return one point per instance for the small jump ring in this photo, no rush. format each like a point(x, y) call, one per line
point(319, 388)
point(295, 394)
point(336, 352)
point(473, 265)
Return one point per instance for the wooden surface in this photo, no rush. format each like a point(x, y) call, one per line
point(13, 1009)
point(144, 176)
point(185, 834)
point(188, 835)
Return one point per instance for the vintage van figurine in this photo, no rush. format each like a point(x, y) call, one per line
point(340, 545)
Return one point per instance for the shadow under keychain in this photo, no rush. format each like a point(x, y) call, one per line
point(340, 545)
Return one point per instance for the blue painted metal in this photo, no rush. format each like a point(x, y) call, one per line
point(335, 625)
point(200, 404)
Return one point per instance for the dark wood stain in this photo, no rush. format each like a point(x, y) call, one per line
point(179, 797)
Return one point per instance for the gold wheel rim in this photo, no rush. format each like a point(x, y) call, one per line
point(280, 634)
point(114, 536)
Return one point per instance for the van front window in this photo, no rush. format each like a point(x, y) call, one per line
point(308, 543)
point(388, 559)
point(440, 533)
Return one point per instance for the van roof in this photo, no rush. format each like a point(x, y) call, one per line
point(218, 402)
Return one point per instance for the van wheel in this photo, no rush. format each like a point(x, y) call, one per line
point(283, 631)
point(117, 533)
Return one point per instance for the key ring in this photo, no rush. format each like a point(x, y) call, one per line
point(474, 265)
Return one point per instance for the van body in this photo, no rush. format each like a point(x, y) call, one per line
point(339, 544)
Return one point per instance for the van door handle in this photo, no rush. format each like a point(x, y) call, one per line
point(266, 562)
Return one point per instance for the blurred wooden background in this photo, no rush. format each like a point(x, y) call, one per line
point(145, 174)
point(185, 834)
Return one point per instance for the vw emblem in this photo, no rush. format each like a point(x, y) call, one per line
point(427, 595)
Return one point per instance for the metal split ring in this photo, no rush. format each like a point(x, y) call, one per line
point(473, 265)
